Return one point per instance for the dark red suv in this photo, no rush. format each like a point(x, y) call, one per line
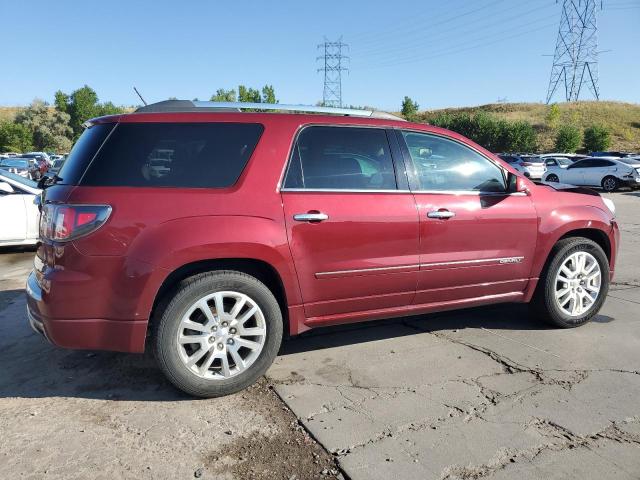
point(208, 233)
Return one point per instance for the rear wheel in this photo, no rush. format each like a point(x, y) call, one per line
point(574, 285)
point(609, 184)
point(552, 178)
point(218, 334)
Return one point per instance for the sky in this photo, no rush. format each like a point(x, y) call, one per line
point(440, 53)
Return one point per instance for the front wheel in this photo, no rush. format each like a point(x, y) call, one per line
point(574, 285)
point(218, 334)
point(609, 184)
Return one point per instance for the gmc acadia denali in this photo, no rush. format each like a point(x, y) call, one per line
point(207, 233)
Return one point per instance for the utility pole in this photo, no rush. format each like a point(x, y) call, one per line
point(575, 61)
point(332, 68)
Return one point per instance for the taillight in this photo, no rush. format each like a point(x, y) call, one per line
point(63, 223)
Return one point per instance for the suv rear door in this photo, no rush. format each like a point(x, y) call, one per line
point(352, 222)
point(476, 239)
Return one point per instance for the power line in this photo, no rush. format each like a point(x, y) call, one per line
point(332, 68)
point(445, 37)
point(461, 47)
point(575, 60)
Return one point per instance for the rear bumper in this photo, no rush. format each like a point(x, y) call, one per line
point(83, 334)
point(631, 183)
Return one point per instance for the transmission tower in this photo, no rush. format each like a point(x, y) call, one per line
point(575, 61)
point(332, 68)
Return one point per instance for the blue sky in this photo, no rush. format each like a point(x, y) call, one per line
point(453, 53)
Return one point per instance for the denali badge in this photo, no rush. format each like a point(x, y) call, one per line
point(511, 260)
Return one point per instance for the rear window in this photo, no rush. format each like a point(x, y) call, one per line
point(186, 155)
point(83, 152)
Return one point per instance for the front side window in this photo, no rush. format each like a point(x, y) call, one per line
point(183, 155)
point(441, 164)
point(341, 158)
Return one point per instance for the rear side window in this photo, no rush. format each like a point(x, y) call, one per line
point(185, 155)
point(83, 152)
point(341, 158)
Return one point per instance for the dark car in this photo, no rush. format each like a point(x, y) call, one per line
point(265, 224)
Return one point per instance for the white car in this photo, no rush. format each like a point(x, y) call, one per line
point(532, 167)
point(19, 213)
point(609, 173)
point(557, 162)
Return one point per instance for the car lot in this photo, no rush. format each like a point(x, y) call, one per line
point(482, 393)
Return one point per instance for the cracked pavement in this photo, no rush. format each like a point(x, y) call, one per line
point(479, 393)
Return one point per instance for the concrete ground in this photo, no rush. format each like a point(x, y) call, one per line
point(480, 393)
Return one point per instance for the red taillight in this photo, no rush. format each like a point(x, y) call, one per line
point(66, 222)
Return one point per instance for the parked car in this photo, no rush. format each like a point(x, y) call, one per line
point(44, 155)
point(531, 167)
point(557, 162)
point(57, 165)
point(18, 210)
point(268, 224)
point(9, 154)
point(41, 161)
point(574, 157)
point(23, 167)
point(609, 173)
point(612, 154)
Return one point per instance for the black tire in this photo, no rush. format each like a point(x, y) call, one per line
point(544, 303)
point(552, 178)
point(170, 313)
point(610, 184)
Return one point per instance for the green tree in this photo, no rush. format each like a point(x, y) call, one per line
point(14, 137)
point(81, 105)
point(49, 127)
point(568, 138)
point(249, 95)
point(597, 138)
point(223, 95)
point(268, 94)
point(553, 115)
point(409, 108)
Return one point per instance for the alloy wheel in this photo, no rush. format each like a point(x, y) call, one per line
point(221, 335)
point(578, 283)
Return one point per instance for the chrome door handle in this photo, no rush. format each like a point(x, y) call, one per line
point(441, 214)
point(310, 217)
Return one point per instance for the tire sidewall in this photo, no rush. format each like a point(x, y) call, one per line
point(557, 316)
point(604, 182)
point(553, 178)
point(166, 334)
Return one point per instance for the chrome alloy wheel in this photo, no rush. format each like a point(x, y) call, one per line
point(221, 335)
point(578, 284)
point(609, 184)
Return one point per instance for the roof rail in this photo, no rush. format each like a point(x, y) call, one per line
point(199, 106)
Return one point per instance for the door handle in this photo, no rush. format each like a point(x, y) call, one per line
point(441, 214)
point(311, 217)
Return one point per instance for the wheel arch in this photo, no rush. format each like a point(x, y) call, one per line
point(260, 269)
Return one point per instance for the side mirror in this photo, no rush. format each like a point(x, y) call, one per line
point(516, 184)
point(6, 188)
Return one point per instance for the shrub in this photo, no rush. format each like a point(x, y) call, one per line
point(568, 139)
point(597, 138)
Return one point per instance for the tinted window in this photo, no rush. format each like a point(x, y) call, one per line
point(551, 163)
point(83, 152)
point(442, 164)
point(589, 163)
point(346, 158)
point(188, 155)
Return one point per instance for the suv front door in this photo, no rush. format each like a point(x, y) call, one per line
point(476, 240)
point(352, 222)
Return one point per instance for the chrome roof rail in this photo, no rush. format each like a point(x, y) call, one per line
point(200, 106)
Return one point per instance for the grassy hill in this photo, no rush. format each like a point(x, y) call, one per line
point(622, 119)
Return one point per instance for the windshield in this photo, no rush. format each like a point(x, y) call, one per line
point(564, 161)
point(18, 179)
point(10, 162)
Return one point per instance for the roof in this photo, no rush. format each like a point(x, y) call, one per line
point(183, 106)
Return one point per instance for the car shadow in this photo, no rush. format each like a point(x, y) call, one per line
point(33, 368)
point(632, 193)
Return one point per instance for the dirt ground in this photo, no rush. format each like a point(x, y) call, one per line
point(79, 415)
